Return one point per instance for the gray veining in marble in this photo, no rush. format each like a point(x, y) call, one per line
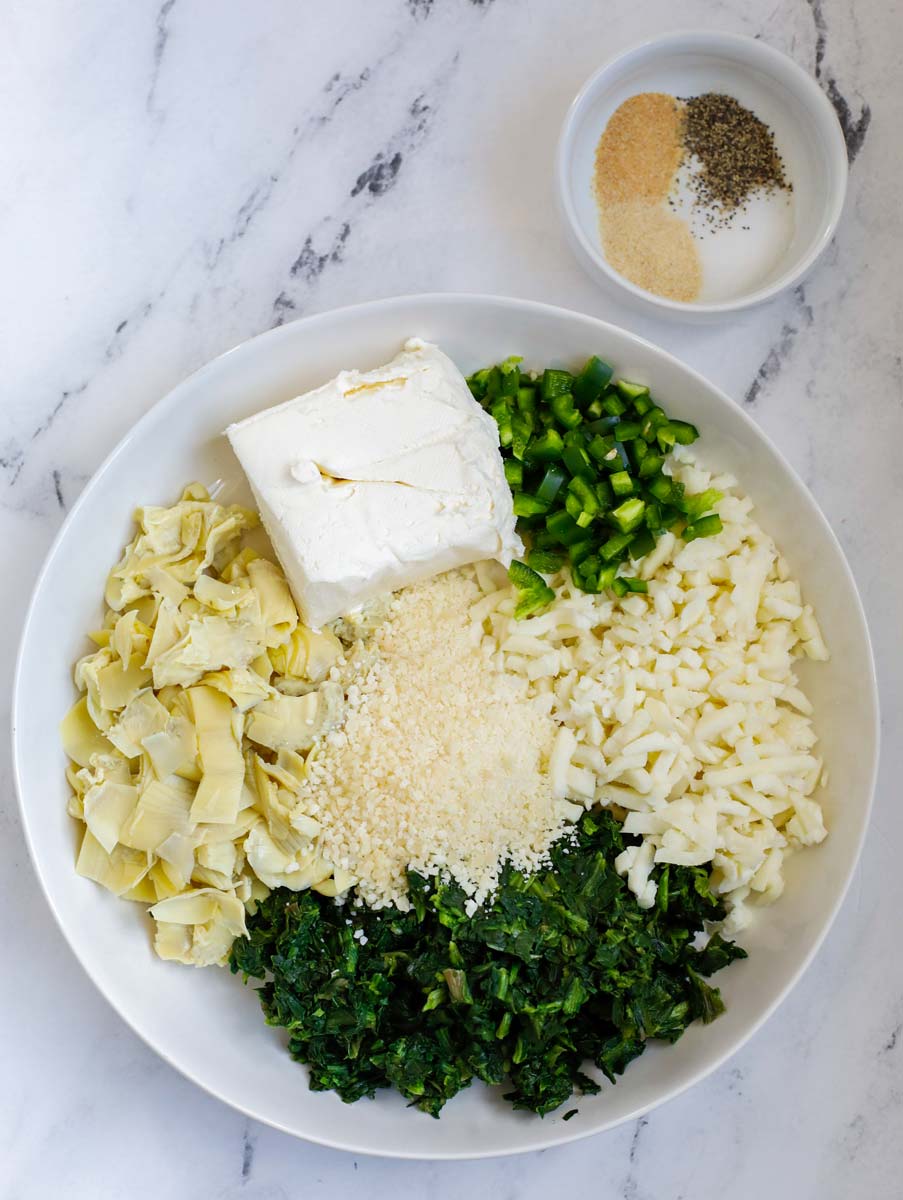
point(179, 176)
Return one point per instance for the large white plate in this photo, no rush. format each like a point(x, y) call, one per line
point(205, 1022)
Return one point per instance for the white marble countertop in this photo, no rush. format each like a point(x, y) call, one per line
point(178, 176)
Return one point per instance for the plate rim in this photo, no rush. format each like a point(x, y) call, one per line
point(169, 400)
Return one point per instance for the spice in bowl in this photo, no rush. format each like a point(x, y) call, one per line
point(736, 152)
point(671, 173)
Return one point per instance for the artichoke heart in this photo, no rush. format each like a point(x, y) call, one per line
point(80, 736)
point(277, 608)
point(143, 716)
point(218, 797)
point(209, 921)
point(161, 810)
point(210, 644)
point(108, 807)
point(277, 866)
point(219, 596)
point(119, 871)
point(242, 685)
point(295, 722)
point(200, 660)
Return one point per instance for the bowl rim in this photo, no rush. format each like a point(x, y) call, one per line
point(173, 398)
point(778, 63)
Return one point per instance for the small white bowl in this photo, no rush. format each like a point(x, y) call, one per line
point(807, 134)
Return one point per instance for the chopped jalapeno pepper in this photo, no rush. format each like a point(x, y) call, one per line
point(695, 506)
point(583, 453)
point(577, 462)
point(528, 506)
point(621, 483)
point(631, 391)
point(535, 593)
point(566, 414)
point(514, 474)
point(546, 562)
point(555, 383)
point(642, 544)
point(552, 483)
point(545, 446)
point(704, 527)
point(594, 377)
point(615, 546)
point(629, 515)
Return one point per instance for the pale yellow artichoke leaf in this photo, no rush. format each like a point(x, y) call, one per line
point(278, 807)
point(117, 686)
point(220, 857)
point(292, 766)
point(173, 942)
point(108, 807)
point(237, 568)
point(167, 587)
point(213, 835)
point(219, 793)
point(87, 679)
point(177, 853)
point(281, 776)
point(143, 892)
point(210, 644)
point(80, 736)
point(277, 607)
point(323, 651)
point(162, 529)
point(262, 666)
point(170, 627)
point(161, 810)
point(146, 609)
point(174, 749)
point(122, 585)
point(294, 722)
point(309, 654)
point(111, 766)
point(243, 686)
point(142, 716)
point(167, 879)
point(219, 596)
point(222, 540)
point(211, 943)
point(124, 633)
point(338, 885)
point(215, 918)
point(277, 867)
point(119, 871)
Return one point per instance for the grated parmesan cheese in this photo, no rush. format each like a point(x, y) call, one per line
point(442, 763)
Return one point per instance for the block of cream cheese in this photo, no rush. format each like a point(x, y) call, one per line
point(377, 480)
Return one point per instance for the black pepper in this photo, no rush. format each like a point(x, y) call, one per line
point(736, 153)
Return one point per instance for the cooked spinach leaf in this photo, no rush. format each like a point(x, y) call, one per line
point(562, 969)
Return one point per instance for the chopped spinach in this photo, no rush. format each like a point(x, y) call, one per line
point(561, 969)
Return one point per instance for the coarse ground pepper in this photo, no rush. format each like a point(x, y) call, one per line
point(736, 151)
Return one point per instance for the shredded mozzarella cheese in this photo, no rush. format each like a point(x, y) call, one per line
point(681, 709)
